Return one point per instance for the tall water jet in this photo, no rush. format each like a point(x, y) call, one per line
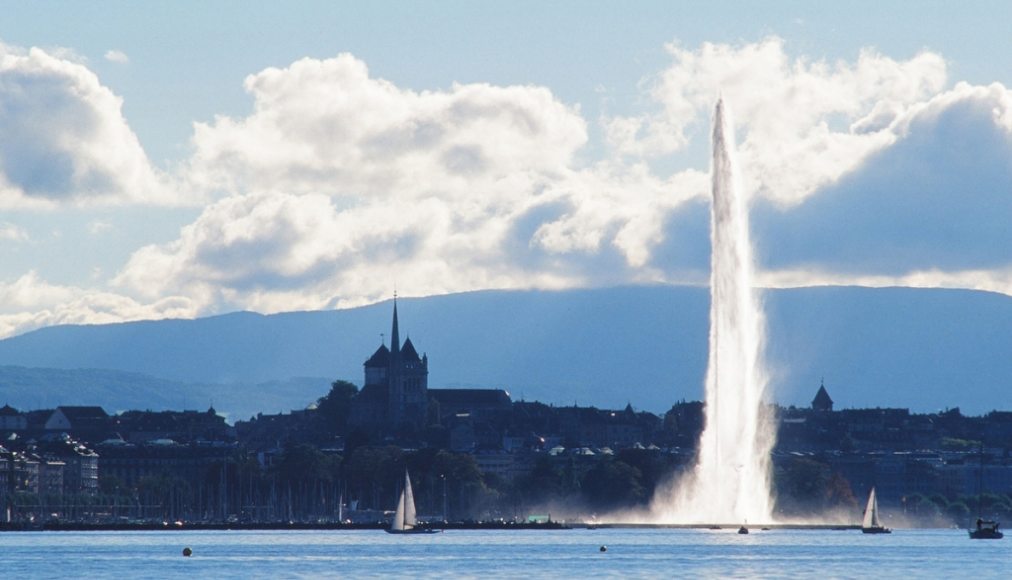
point(731, 479)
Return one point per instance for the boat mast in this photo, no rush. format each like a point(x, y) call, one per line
point(980, 482)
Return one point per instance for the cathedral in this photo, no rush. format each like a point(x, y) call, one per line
point(396, 389)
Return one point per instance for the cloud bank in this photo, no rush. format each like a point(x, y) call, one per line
point(339, 186)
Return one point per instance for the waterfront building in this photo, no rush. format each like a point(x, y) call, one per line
point(129, 463)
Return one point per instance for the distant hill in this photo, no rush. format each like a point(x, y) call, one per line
point(903, 347)
point(116, 391)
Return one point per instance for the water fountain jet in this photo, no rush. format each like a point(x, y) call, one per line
point(730, 482)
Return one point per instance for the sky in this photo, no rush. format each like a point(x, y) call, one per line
point(183, 159)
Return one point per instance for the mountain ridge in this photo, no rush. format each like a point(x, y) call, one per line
point(925, 349)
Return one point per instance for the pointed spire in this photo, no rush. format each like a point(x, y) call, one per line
point(395, 337)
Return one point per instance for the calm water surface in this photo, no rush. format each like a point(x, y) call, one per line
point(504, 554)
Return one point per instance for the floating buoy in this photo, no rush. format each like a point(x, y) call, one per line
point(743, 530)
point(187, 551)
point(604, 548)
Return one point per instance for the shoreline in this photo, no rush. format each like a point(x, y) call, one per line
point(265, 526)
point(302, 526)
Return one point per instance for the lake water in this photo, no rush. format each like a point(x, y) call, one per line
point(658, 553)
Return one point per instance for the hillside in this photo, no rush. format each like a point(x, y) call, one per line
point(923, 349)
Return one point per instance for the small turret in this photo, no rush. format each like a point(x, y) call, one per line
point(822, 400)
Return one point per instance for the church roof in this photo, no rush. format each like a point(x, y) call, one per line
point(380, 358)
point(79, 413)
point(408, 352)
point(480, 397)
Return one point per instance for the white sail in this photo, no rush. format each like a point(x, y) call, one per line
point(408, 499)
point(871, 511)
point(398, 523)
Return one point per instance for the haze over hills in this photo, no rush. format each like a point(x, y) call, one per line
point(925, 349)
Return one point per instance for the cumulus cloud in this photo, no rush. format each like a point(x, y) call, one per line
point(30, 302)
point(13, 233)
point(937, 201)
point(803, 123)
point(117, 56)
point(273, 252)
point(998, 280)
point(326, 126)
point(340, 185)
point(97, 227)
point(64, 138)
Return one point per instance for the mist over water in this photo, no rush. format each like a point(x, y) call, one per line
point(731, 480)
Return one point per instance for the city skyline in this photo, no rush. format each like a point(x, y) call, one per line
point(181, 160)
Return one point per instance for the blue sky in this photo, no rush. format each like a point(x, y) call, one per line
point(180, 159)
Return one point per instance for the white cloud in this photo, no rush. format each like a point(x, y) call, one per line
point(273, 252)
point(998, 280)
point(342, 185)
point(13, 233)
point(339, 186)
point(30, 292)
point(937, 200)
point(117, 56)
point(64, 137)
point(804, 123)
point(98, 227)
point(328, 127)
point(30, 303)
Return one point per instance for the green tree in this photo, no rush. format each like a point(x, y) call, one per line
point(654, 466)
point(839, 494)
point(801, 485)
point(335, 407)
point(305, 463)
point(374, 475)
point(612, 484)
point(541, 486)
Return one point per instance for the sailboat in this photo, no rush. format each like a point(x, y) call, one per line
point(871, 525)
point(405, 521)
point(986, 529)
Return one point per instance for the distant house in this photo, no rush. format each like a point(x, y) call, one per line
point(12, 420)
point(181, 426)
point(87, 423)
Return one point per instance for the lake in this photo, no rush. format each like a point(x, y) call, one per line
point(644, 553)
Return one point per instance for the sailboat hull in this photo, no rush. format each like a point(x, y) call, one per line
point(876, 531)
point(413, 531)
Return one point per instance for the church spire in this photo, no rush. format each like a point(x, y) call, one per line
point(395, 337)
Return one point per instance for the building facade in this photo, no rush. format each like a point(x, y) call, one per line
point(396, 390)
